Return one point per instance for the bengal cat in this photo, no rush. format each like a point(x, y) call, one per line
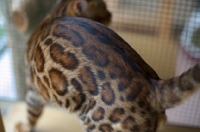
point(86, 68)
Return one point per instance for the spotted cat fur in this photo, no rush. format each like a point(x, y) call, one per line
point(86, 68)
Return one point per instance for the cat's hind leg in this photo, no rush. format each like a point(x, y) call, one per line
point(34, 110)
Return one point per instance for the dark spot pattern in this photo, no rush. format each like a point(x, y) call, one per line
point(196, 73)
point(116, 115)
point(99, 57)
point(77, 39)
point(133, 110)
point(83, 118)
point(98, 114)
point(67, 59)
point(127, 59)
point(87, 77)
point(134, 90)
point(104, 40)
point(148, 122)
point(60, 32)
point(143, 113)
point(91, 127)
point(101, 75)
point(87, 121)
point(68, 34)
point(59, 81)
point(89, 106)
point(48, 41)
point(113, 76)
point(89, 29)
point(106, 128)
point(67, 103)
point(141, 104)
point(76, 84)
point(109, 37)
point(134, 128)
point(121, 88)
point(83, 23)
point(148, 109)
point(125, 79)
point(43, 90)
point(39, 59)
point(122, 99)
point(79, 100)
point(104, 37)
point(119, 72)
point(128, 122)
point(107, 94)
point(123, 84)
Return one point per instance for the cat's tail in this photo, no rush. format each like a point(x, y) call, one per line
point(174, 91)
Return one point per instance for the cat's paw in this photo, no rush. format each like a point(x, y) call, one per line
point(20, 127)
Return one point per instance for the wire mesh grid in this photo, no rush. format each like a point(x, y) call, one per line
point(7, 87)
point(164, 32)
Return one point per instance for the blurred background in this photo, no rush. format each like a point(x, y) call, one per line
point(166, 33)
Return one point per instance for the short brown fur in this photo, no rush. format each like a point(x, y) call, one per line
point(94, 73)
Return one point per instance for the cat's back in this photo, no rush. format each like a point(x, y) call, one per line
point(96, 43)
point(78, 41)
point(75, 42)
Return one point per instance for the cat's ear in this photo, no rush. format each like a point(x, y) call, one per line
point(80, 6)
